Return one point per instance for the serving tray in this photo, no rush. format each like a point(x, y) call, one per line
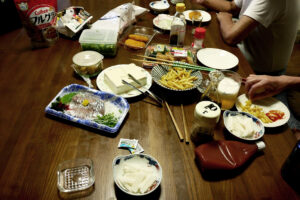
point(121, 104)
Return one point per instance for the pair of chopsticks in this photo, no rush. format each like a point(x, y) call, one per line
point(180, 135)
point(147, 93)
point(160, 61)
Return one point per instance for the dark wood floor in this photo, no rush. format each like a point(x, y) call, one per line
point(294, 63)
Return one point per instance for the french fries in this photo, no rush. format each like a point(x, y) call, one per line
point(178, 78)
point(256, 111)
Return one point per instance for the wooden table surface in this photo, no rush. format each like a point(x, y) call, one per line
point(33, 144)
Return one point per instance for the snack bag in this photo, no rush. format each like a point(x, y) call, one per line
point(39, 18)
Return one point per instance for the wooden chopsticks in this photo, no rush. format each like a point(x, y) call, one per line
point(179, 133)
point(186, 133)
point(174, 122)
point(172, 63)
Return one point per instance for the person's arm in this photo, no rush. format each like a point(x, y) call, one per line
point(262, 86)
point(233, 33)
point(219, 5)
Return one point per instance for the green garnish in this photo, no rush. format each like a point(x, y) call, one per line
point(108, 120)
point(67, 98)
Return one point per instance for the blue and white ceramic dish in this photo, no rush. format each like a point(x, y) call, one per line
point(120, 103)
point(159, 70)
point(260, 129)
point(120, 160)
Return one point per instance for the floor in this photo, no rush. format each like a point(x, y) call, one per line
point(294, 63)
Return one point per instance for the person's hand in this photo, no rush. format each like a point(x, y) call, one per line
point(262, 86)
point(221, 16)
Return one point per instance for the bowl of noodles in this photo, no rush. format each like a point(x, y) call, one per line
point(176, 78)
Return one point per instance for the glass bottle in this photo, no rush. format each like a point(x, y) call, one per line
point(178, 26)
point(199, 36)
point(176, 1)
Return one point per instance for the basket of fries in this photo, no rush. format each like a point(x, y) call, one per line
point(176, 78)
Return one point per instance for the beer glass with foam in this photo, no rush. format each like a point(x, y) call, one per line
point(228, 89)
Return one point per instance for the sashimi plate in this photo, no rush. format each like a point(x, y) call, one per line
point(116, 105)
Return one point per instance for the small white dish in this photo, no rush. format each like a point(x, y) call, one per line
point(163, 22)
point(257, 125)
point(142, 162)
point(159, 6)
point(103, 86)
point(206, 17)
point(217, 58)
point(267, 105)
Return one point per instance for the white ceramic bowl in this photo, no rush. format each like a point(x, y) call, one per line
point(88, 63)
point(257, 124)
point(159, 6)
point(119, 161)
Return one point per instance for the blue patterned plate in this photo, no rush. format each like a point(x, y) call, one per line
point(119, 102)
point(256, 124)
point(159, 70)
point(132, 160)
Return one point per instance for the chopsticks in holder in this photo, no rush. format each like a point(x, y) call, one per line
point(174, 122)
point(187, 140)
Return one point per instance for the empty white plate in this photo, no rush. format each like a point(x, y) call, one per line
point(217, 58)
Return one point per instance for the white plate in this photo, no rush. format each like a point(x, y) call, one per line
point(163, 21)
point(102, 85)
point(159, 6)
point(267, 104)
point(217, 58)
point(206, 17)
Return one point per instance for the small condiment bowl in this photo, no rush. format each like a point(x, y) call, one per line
point(75, 175)
point(120, 160)
point(159, 6)
point(88, 63)
point(257, 124)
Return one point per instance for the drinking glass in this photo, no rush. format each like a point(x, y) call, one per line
point(228, 89)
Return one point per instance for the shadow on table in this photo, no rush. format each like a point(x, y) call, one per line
point(76, 195)
point(218, 175)
point(112, 135)
point(152, 196)
point(176, 97)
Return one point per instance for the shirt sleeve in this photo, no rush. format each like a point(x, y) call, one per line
point(238, 3)
point(264, 11)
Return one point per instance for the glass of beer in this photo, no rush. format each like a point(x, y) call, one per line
point(228, 89)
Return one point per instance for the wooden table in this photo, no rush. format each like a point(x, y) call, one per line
point(33, 144)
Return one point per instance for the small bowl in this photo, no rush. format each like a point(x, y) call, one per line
point(159, 6)
point(75, 175)
point(257, 124)
point(159, 70)
point(142, 159)
point(88, 63)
